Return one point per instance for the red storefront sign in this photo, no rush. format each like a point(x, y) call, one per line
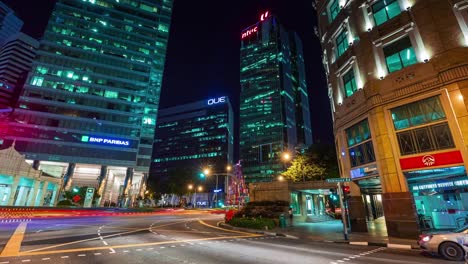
point(433, 160)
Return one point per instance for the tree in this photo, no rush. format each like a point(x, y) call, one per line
point(318, 162)
point(303, 169)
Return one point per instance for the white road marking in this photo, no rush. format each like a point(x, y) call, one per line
point(64, 257)
point(45, 258)
point(139, 249)
point(82, 255)
point(5, 262)
point(162, 247)
point(97, 254)
point(105, 243)
point(172, 246)
point(26, 260)
point(38, 230)
point(126, 251)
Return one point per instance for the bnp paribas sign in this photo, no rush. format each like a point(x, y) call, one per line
point(105, 141)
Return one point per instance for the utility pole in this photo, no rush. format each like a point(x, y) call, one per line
point(343, 211)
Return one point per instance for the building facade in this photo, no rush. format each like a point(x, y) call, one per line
point(274, 106)
point(194, 136)
point(16, 56)
point(10, 24)
point(88, 108)
point(397, 82)
point(22, 185)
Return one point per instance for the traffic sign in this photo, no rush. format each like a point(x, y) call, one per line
point(89, 197)
point(339, 180)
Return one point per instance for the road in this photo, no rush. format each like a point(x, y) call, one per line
point(190, 238)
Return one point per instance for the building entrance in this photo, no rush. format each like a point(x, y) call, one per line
point(371, 191)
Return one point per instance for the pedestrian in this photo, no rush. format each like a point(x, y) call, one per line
point(290, 216)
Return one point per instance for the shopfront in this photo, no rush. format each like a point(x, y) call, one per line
point(440, 193)
point(368, 180)
point(21, 185)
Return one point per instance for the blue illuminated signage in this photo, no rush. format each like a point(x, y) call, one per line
point(217, 190)
point(105, 141)
point(364, 171)
point(219, 100)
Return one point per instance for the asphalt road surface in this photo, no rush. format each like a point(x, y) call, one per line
point(190, 238)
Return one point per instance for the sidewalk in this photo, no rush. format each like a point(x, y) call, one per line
point(332, 231)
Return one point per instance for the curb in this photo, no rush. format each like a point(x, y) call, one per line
point(355, 243)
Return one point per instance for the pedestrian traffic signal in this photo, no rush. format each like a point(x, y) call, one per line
point(202, 175)
point(333, 195)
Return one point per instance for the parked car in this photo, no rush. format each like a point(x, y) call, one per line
point(451, 245)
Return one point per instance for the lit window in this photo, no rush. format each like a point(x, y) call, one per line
point(37, 81)
point(385, 10)
point(341, 43)
point(360, 148)
point(349, 83)
point(399, 55)
point(333, 10)
point(422, 127)
point(111, 94)
point(163, 28)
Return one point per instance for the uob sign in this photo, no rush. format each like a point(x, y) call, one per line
point(219, 100)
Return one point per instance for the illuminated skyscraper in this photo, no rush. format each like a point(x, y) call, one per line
point(194, 136)
point(274, 107)
point(10, 24)
point(88, 109)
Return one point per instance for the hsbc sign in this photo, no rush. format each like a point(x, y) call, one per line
point(219, 100)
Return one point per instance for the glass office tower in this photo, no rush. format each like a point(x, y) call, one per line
point(194, 136)
point(274, 107)
point(93, 92)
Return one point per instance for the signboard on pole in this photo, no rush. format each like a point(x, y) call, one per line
point(339, 180)
point(89, 197)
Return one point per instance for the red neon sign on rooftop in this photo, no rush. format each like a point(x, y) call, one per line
point(250, 31)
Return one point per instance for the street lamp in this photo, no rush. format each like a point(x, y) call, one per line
point(190, 186)
point(206, 171)
point(228, 167)
point(200, 188)
point(286, 156)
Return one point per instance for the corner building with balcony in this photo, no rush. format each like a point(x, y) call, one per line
point(87, 112)
point(398, 87)
point(274, 105)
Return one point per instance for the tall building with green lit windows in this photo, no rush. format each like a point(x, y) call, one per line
point(194, 136)
point(88, 109)
point(274, 105)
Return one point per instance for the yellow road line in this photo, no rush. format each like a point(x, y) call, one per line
point(29, 253)
point(227, 230)
point(13, 245)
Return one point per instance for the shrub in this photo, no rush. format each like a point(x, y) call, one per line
point(255, 223)
point(65, 203)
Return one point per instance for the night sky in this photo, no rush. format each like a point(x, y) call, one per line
point(203, 51)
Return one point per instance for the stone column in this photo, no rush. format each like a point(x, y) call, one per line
point(14, 186)
point(400, 215)
point(43, 193)
point(357, 214)
point(53, 200)
point(127, 186)
point(102, 181)
point(32, 198)
point(67, 178)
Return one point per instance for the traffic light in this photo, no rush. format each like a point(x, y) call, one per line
point(346, 192)
point(202, 176)
point(333, 195)
point(75, 190)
